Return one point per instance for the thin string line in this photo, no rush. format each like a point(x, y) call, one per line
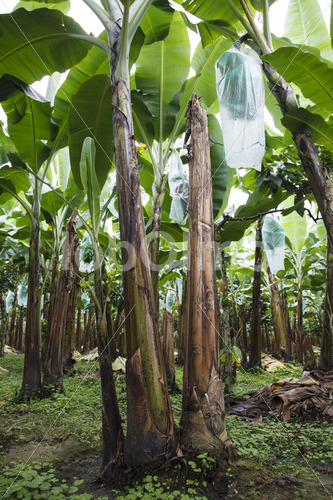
point(271, 410)
point(63, 409)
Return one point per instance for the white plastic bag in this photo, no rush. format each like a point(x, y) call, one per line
point(241, 93)
point(178, 184)
point(273, 236)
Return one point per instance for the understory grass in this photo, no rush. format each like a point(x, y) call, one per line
point(74, 416)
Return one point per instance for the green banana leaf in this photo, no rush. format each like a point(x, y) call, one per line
point(29, 125)
point(295, 229)
point(38, 43)
point(91, 115)
point(156, 22)
point(305, 24)
point(90, 182)
point(161, 69)
point(302, 120)
point(313, 76)
point(62, 5)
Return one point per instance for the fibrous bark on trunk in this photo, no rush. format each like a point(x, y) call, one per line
point(150, 426)
point(228, 377)
point(326, 351)
point(53, 371)
point(31, 384)
point(19, 329)
point(255, 332)
point(168, 346)
point(12, 321)
point(69, 337)
point(112, 431)
point(3, 331)
point(278, 315)
point(203, 415)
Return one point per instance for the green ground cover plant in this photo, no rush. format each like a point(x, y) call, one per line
point(45, 441)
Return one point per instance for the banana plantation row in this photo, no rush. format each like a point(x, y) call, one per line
point(98, 165)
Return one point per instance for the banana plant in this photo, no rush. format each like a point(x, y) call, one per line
point(111, 420)
point(34, 141)
point(301, 258)
point(300, 65)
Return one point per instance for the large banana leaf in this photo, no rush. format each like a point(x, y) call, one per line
point(90, 182)
point(29, 126)
point(331, 25)
point(305, 25)
point(95, 63)
point(219, 167)
point(313, 76)
point(295, 229)
point(17, 176)
point(210, 10)
point(91, 115)
point(62, 5)
point(302, 120)
point(156, 22)
point(161, 69)
point(38, 43)
point(204, 82)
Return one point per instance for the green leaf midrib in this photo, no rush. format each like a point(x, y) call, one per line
point(35, 41)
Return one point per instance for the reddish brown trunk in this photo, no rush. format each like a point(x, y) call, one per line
point(150, 427)
point(168, 347)
point(182, 327)
point(309, 357)
point(326, 352)
point(11, 336)
point(31, 384)
point(69, 337)
point(299, 338)
point(203, 415)
point(78, 336)
point(53, 372)
point(88, 321)
point(3, 331)
point(19, 329)
point(255, 333)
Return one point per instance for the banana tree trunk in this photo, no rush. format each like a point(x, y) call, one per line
point(78, 336)
point(112, 432)
point(3, 331)
point(154, 246)
point(31, 384)
point(69, 337)
point(319, 180)
point(19, 329)
point(228, 378)
point(53, 371)
point(182, 327)
point(12, 321)
point(255, 332)
point(326, 352)
point(168, 345)
point(88, 321)
point(151, 432)
point(50, 310)
point(277, 314)
point(203, 415)
point(299, 337)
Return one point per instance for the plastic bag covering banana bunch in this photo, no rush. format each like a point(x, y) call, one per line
point(169, 300)
point(273, 236)
point(178, 184)
point(241, 93)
